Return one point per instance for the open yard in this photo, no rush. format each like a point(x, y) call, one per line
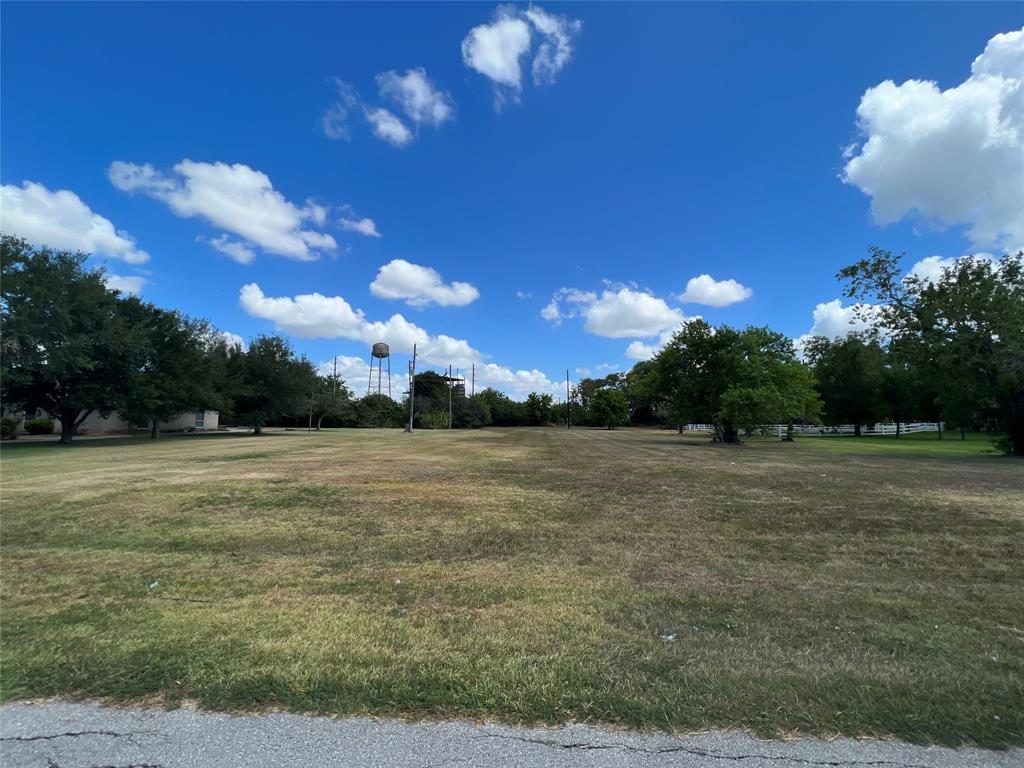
point(638, 577)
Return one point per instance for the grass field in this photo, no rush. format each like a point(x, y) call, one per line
point(837, 585)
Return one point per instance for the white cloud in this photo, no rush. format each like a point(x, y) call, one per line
point(364, 226)
point(555, 50)
point(639, 350)
point(524, 295)
point(496, 49)
point(61, 220)
point(124, 283)
point(704, 289)
point(931, 267)
point(334, 120)
point(420, 286)
point(954, 156)
point(313, 315)
point(518, 383)
point(416, 94)
point(235, 198)
point(626, 312)
point(618, 312)
point(565, 303)
point(388, 127)
point(233, 249)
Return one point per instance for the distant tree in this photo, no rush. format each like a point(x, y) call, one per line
point(641, 390)
point(332, 402)
point(969, 322)
point(734, 379)
point(67, 346)
point(504, 411)
point(609, 408)
point(380, 411)
point(469, 413)
point(271, 383)
point(850, 373)
point(537, 409)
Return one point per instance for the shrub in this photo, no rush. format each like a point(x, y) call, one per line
point(7, 429)
point(434, 420)
point(39, 427)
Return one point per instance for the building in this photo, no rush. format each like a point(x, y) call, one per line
point(96, 424)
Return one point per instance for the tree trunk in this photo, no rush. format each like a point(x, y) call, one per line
point(154, 430)
point(257, 429)
point(730, 434)
point(67, 430)
point(680, 428)
point(319, 421)
point(1015, 431)
point(898, 429)
point(963, 433)
point(856, 429)
point(789, 433)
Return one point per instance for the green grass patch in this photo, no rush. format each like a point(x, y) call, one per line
point(858, 586)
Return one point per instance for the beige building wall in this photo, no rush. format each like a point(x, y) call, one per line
point(95, 424)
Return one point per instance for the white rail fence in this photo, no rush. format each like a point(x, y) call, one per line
point(812, 430)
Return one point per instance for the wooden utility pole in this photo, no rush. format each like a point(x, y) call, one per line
point(412, 386)
point(568, 402)
point(450, 383)
point(473, 385)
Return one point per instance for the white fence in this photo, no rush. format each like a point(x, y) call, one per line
point(812, 430)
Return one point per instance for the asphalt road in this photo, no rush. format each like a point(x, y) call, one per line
point(57, 735)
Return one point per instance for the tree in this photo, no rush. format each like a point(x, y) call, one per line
point(270, 382)
point(69, 346)
point(640, 387)
point(504, 411)
point(850, 372)
point(173, 373)
point(609, 407)
point(537, 409)
point(380, 411)
point(332, 401)
point(967, 326)
point(735, 379)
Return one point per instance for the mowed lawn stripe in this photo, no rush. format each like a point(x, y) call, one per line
point(636, 577)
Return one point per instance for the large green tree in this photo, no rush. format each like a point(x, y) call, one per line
point(965, 328)
point(174, 372)
point(270, 382)
point(850, 372)
point(735, 379)
point(70, 345)
point(609, 407)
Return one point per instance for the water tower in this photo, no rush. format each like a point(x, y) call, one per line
point(380, 352)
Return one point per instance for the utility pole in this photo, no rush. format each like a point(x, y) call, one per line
point(473, 385)
point(449, 395)
point(412, 386)
point(568, 401)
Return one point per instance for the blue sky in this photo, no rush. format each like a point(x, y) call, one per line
point(645, 145)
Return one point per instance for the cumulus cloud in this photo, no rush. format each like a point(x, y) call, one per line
point(124, 283)
point(387, 126)
point(420, 286)
point(422, 102)
point(624, 313)
point(235, 198)
point(498, 48)
point(313, 316)
point(364, 226)
point(61, 220)
point(954, 156)
point(618, 312)
point(641, 350)
point(704, 289)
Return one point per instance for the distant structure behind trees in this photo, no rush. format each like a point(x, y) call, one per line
point(950, 350)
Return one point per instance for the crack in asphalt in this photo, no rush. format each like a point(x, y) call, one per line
point(51, 764)
point(700, 753)
point(69, 734)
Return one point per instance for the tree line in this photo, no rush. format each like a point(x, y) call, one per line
point(948, 350)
